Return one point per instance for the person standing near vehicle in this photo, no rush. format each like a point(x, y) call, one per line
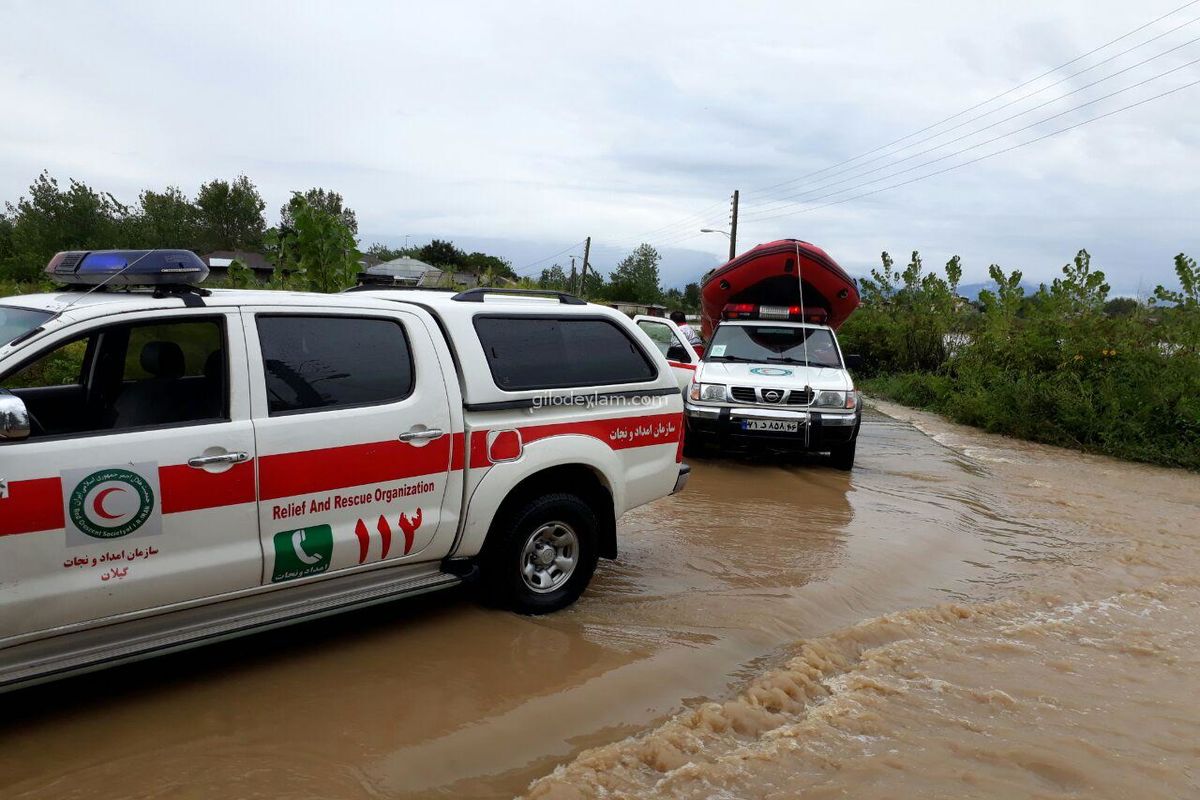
point(689, 332)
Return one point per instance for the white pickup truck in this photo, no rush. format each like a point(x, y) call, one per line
point(768, 380)
point(179, 466)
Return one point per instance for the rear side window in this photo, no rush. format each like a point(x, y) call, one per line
point(317, 362)
point(545, 353)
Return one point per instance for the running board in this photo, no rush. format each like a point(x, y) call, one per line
point(97, 648)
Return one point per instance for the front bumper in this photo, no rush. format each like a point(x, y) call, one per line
point(815, 430)
point(681, 481)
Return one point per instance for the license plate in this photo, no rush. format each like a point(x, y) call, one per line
point(772, 425)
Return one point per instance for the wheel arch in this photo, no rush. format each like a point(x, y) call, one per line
point(582, 480)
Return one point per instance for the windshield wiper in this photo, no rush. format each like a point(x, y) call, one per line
point(787, 360)
point(731, 358)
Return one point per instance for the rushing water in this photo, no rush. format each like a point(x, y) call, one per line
point(961, 616)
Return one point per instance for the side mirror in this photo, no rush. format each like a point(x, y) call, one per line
point(676, 352)
point(854, 362)
point(14, 418)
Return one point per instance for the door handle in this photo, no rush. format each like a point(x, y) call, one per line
point(199, 462)
point(420, 436)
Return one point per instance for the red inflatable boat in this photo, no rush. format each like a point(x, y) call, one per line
point(770, 275)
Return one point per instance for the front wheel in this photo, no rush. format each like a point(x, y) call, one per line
point(541, 556)
point(841, 456)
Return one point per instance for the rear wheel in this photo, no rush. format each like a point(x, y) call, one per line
point(541, 556)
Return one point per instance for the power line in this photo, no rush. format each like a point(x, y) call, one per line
point(769, 201)
point(984, 103)
point(782, 204)
point(678, 236)
point(665, 230)
point(533, 264)
point(987, 155)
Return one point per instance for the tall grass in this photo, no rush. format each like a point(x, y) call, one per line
point(1060, 365)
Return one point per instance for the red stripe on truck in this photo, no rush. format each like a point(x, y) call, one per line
point(312, 471)
point(37, 505)
point(618, 433)
point(33, 505)
point(186, 488)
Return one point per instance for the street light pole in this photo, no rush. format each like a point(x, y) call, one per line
point(730, 234)
point(733, 227)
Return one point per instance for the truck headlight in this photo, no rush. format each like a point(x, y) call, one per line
point(831, 399)
point(713, 392)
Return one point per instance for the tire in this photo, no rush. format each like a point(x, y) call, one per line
point(524, 564)
point(694, 443)
point(842, 456)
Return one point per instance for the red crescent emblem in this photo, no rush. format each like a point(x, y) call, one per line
point(98, 503)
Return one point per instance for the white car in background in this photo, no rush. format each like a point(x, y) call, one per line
point(768, 380)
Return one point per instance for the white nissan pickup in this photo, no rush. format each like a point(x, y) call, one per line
point(768, 380)
point(179, 466)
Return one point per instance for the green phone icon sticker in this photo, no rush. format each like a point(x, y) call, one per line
point(302, 552)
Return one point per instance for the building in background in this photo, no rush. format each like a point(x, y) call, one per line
point(218, 263)
point(633, 309)
point(405, 271)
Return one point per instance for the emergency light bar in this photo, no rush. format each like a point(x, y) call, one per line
point(815, 316)
point(127, 268)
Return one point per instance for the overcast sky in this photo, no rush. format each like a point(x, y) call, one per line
point(521, 128)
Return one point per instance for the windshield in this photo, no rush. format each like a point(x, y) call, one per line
point(15, 322)
point(774, 344)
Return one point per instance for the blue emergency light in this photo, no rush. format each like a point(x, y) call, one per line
point(127, 268)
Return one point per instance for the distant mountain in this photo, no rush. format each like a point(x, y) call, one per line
point(971, 290)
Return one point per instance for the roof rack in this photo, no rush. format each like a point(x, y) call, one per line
point(373, 287)
point(477, 295)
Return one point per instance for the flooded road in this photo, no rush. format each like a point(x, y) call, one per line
point(961, 616)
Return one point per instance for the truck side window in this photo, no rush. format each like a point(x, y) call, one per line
point(543, 353)
point(126, 376)
point(316, 363)
point(660, 334)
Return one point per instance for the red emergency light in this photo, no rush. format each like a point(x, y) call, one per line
point(815, 316)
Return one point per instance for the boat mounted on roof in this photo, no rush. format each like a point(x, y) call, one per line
point(770, 274)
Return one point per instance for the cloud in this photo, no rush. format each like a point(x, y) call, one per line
point(530, 126)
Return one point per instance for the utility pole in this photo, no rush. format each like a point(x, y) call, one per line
point(572, 282)
point(733, 227)
point(587, 251)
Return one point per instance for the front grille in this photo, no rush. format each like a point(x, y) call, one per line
point(772, 396)
point(800, 397)
point(743, 394)
point(747, 394)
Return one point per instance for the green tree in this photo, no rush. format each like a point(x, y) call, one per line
point(167, 219)
point(443, 255)
point(325, 248)
point(385, 253)
point(52, 219)
point(230, 215)
point(7, 246)
point(329, 201)
point(636, 277)
point(1121, 307)
point(1080, 288)
point(482, 263)
point(553, 278)
point(1181, 319)
point(593, 286)
point(880, 287)
point(691, 297)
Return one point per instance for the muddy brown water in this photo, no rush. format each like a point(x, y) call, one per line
point(961, 616)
